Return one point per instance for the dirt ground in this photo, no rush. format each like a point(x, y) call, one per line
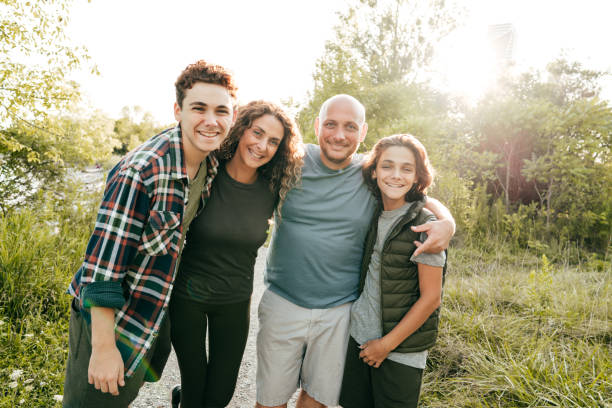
point(157, 395)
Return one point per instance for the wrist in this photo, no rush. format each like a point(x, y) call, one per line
point(387, 344)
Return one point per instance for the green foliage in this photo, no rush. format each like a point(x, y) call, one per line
point(36, 59)
point(133, 128)
point(40, 249)
point(36, 155)
point(541, 142)
point(514, 338)
point(377, 49)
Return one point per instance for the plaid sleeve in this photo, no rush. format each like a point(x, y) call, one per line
point(114, 241)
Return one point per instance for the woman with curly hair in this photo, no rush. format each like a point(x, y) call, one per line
point(261, 160)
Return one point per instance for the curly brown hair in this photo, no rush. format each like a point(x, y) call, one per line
point(424, 171)
point(202, 71)
point(284, 171)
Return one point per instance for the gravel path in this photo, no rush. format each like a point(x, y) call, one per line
point(157, 395)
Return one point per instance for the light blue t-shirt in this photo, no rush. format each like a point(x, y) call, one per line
point(315, 254)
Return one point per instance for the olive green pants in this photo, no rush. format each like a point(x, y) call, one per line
point(78, 393)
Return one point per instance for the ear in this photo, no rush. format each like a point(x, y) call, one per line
point(364, 131)
point(177, 112)
point(373, 174)
point(234, 116)
point(316, 127)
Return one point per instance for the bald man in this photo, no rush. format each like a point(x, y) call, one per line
point(314, 261)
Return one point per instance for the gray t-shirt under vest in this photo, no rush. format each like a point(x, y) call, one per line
point(316, 249)
point(365, 312)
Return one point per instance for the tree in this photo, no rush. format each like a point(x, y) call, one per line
point(134, 127)
point(44, 150)
point(379, 50)
point(36, 59)
point(547, 137)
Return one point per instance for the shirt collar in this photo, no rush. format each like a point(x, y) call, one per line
point(179, 169)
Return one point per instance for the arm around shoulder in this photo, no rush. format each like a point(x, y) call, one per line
point(440, 232)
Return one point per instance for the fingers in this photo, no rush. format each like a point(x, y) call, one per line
point(121, 379)
point(421, 246)
point(422, 228)
point(112, 387)
point(372, 363)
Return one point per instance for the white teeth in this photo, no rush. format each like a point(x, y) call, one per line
point(256, 156)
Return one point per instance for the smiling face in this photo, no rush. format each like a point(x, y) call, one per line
point(259, 142)
point(339, 129)
point(205, 117)
point(395, 175)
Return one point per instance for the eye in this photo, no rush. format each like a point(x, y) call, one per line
point(274, 142)
point(257, 132)
point(329, 125)
point(352, 127)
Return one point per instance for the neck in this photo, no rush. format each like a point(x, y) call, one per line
point(390, 204)
point(239, 172)
point(335, 165)
point(193, 164)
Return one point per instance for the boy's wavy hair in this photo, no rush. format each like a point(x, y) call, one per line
point(424, 170)
point(202, 71)
point(284, 171)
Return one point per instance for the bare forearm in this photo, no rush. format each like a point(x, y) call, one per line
point(102, 327)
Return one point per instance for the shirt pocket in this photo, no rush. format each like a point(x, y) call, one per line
point(161, 233)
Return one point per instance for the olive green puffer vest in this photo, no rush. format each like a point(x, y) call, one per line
point(399, 278)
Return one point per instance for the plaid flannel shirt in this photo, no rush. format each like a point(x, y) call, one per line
point(130, 261)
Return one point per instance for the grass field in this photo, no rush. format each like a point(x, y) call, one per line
point(516, 330)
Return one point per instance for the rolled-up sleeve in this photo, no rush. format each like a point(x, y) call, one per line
point(114, 241)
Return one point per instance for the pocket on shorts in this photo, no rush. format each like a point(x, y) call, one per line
point(161, 233)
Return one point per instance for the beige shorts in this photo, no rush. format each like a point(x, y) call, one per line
point(299, 347)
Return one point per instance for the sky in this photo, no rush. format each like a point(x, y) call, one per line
point(272, 46)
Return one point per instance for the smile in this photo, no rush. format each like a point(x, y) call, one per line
point(395, 185)
point(208, 134)
point(255, 155)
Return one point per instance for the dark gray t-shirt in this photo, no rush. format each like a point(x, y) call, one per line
point(222, 243)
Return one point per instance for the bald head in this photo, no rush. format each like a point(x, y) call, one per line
point(343, 98)
point(340, 128)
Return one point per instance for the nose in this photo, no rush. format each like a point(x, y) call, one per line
point(396, 172)
point(261, 144)
point(339, 135)
point(209, 118)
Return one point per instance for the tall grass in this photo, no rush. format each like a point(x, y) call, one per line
point(40, 249)
point(518, 331)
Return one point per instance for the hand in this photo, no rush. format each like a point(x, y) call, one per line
point(439, 234)
point(106, 369)
point(374, 352)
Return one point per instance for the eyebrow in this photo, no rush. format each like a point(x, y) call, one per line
point(401, 163)
point(198, 103)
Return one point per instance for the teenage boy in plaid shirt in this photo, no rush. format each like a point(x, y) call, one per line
point(119, 334)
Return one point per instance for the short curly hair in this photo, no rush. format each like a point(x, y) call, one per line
point(202, 71)
point(284, 171)
point(424, 171)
